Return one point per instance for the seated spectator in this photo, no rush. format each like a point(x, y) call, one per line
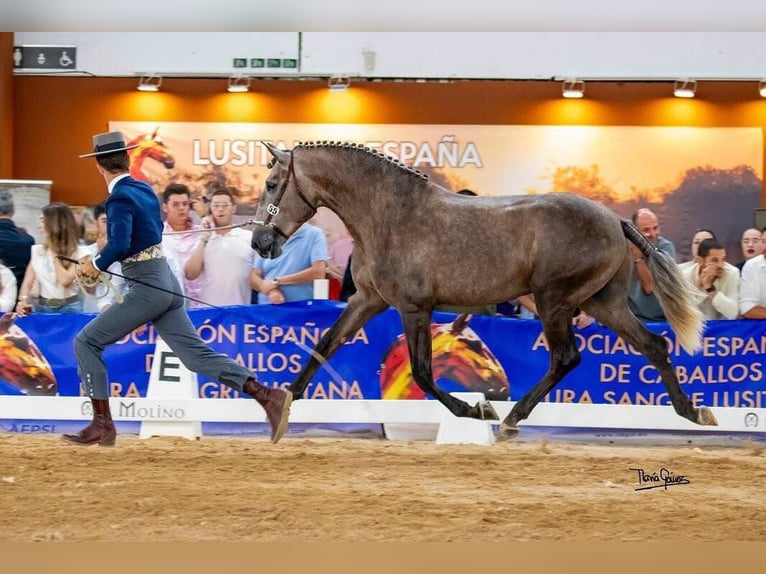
point(290, 277)
point(752, 288)
point(717, 282)
point(752, 245)
point(699, 236)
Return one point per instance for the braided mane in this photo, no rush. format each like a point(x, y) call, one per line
point(358, 147)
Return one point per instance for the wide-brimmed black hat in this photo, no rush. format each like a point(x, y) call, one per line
point(109, 142)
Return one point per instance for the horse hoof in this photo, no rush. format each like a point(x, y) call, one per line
point(706, 417)
point(487, 411)
point(507, 433)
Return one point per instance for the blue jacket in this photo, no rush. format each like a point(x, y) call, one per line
point(133, 219)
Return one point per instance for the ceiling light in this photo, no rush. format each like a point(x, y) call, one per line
point(338, 83)
point(762, 88)
point(150, 83)
point(238, 84)
point(573, 89)
point(684, 88)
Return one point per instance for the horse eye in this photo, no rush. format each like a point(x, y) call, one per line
point(270, 186)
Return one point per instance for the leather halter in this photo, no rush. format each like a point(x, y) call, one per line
point(273, 208)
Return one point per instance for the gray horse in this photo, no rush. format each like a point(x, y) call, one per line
point(418, 245)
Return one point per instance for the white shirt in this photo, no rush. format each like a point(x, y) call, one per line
point(103, 297)
point(725, 303)
point(42, 263)
point(752, 285)
point(180, 246)
point(228, 260)
point(9, 289)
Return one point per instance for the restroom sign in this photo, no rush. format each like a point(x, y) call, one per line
point(45, 57)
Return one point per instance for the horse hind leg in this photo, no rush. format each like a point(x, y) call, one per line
point(564, 357)
point(618, 317)
point(417, 330)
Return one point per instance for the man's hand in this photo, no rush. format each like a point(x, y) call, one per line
point(86, 268)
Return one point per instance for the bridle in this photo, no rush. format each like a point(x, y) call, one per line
point(273, 208)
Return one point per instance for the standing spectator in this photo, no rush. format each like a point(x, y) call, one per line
point(290, 277)
point(179, 234)
point(223, 258)
point(752, 245)
point(8, 289)
point(717, 281)
point(58, 291)
point(699, 236)
point(641, 298)
point(15, 245)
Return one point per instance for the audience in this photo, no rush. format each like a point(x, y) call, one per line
point(56, 278)
point(717, 282)
point(222, 259)
point(8, 289)
point(752, 288)
point(290, 277)
point(699, 236)
point(752, 245)
point(641, 298)
point(179, 235)
point(15, 244)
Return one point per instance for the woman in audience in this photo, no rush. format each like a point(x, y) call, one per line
point(58, 291)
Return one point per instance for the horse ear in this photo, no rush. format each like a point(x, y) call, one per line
point(275, 151)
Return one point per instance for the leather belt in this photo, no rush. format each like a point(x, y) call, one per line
point(153, 252)
point(56, 302)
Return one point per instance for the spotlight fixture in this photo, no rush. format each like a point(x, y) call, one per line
point(684, 88)
point(573, 88)
point(338, 83)
point(762, 88)
point(150, 83)
point(238, 84)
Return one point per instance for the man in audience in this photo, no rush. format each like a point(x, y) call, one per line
point(752, 288)
point(641, 298)
point(290, 277)
point(180, 235)
point(15, 244)
point(717, 281)
point(223, 258)
point(752, 245)
point(699, 236)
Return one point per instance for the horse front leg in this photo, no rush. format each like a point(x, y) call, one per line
point(360, 309)
point(564, 357)
point(417, 330)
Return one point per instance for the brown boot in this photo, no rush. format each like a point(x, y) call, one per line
point(276, 403)
point(100, 431)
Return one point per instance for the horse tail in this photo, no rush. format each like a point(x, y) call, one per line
point(673, 291)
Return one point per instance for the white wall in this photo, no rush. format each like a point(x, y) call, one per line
point(511, 55)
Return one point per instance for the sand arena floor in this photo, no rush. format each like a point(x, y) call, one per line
point(350, 489)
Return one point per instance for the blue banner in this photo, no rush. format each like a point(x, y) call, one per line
point(502, 357)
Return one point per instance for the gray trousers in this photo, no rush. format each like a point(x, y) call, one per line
point(143, 304)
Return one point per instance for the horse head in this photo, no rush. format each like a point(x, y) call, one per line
point(282, 208)
point(150, 146)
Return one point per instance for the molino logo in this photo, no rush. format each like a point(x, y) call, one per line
point(751, 420)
